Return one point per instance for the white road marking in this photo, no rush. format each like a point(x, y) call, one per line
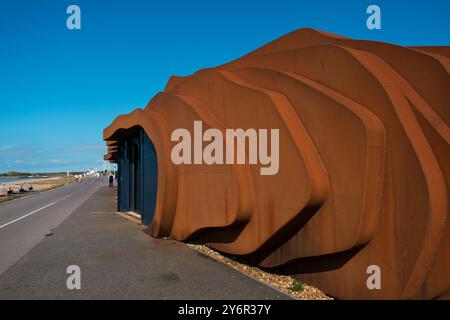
point(92, 181)
point(28, 214)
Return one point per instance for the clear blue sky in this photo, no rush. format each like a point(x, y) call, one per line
point(60, 88)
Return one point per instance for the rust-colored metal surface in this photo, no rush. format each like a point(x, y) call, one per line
point(364, 167)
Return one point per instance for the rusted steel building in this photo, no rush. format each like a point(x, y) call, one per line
point(364, 163)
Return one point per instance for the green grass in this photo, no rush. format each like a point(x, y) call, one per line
point(297, 286)
point(9, 197)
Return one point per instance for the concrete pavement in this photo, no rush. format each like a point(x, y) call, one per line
point(119, 261)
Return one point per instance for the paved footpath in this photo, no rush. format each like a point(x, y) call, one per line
point(119, 261)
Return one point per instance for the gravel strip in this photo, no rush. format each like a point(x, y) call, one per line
point(283, 283)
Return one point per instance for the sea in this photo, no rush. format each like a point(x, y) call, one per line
point(5, 180)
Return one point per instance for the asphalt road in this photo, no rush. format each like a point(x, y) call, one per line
point(27, 221)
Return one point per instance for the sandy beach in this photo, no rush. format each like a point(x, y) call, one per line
point(38, 184)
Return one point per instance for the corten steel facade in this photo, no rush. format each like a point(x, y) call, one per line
point(364, 163)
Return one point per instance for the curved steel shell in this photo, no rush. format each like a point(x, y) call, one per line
point(364, 169)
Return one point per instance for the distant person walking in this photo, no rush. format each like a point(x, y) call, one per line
point(111, 180)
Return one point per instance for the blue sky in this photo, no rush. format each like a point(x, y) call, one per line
point(59, 88)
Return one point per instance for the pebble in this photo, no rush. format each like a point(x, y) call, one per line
point(281, 282)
